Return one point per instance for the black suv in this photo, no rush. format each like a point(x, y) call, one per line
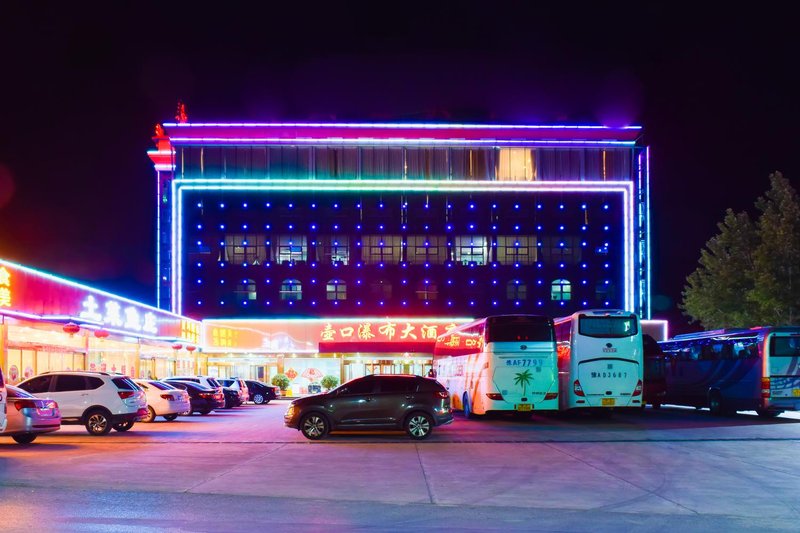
point(412, 403)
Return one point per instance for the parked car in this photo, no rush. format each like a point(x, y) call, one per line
point(201, 399)
point(261, 393)
point(238, 385)
point(98, 400)
point(412, 403)
point(204, 381)
point(232, 398)
point(29, 416)
point(2, 402)
point(163, 399)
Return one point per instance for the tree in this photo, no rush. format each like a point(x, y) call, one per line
point(776, 288)
point(281, 381)
point(749, 273)
point(329, 382)
point(523, 378)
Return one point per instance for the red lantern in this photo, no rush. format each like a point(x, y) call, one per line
point(100, 333)
point(177, 346)
point(72, 328)
point(190, 348)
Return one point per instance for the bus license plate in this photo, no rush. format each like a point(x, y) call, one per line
point(796, 392)
point(524, 407)
point(607, 402)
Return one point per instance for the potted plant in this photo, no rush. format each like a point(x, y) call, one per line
point(282, 382)
point(329, 382)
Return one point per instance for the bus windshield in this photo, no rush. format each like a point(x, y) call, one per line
point(607, 326)
point(521, 328)
point(785, 346)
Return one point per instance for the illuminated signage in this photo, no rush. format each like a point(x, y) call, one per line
point(111, 313)
point(386, 331)
point(5, 287)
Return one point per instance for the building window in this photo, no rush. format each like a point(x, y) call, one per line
point(243, 248)
point(382, 249)
point(516, 164)
point(334, 249)
point(470, 250)
point(291, 289)
point(516, 249)
point(516, 290)
point(336, 289)
point(561, 290)
point(246, 290)
point(564, 249)
point(422, 249)
point(604, 292)
point(381, 289)
point(291, 248)
point(427, 290)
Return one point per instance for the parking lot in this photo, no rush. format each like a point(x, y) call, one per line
point(660, 469)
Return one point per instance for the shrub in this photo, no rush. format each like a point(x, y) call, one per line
point(281, 381)
point(329, 382)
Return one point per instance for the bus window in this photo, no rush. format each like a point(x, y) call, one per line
point(785, 346)
point(607, 326)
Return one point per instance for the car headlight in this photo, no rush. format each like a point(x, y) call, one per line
point(290, 411)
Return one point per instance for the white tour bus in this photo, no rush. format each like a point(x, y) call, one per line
point(600, 359)
point(499, 363)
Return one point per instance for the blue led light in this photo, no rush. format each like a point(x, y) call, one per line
point(199, 226)
point(222, 282)
point(199, 204)
point(584, 265)
point(380, 227)
point(313, 206)
point(472, 226)
point(199, 264)
point(199, 302)
point(562, 265)
point(199, 243)
point(199, 281)
point(268, 302)
point(494, 302)
point(539, 227)
point(605, 206)
point(538, 206)
point(516, 206)
point(583, 206)
point(605, 228)
point(222, 226)
point(222, 206)
point(584, 282)
point(313, 302)
point(405, 302)
point(267, 226)
point(472, 205)
point(561, 206)
point(222, 302)
point(449, 281)
point(494, 206)
point(540, 302)
point(244, 205)
point(516, 227)
point(313, 226)
point(606, 265)
point(380, 205)
point(472, 302)
point(291, 205)
point(268, 204)
point(494, 227)
point(561, 227)
point(449, 227)
point(449, 303)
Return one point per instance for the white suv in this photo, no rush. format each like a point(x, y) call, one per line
point(97, 400)
point(3, 402)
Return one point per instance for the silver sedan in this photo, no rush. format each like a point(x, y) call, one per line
point(29, 416)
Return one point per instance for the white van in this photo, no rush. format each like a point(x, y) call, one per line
point(3, 402)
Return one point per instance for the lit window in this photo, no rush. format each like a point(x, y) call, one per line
point(561, 290)
point(336, 289)
point(291, 289)
point(246, 290)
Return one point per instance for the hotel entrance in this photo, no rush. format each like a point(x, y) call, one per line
point(356, 365)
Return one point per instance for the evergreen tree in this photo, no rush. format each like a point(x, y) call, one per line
point(749, 274)
point(776, 277)
point(716, 293)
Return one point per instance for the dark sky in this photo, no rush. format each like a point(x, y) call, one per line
point(81, 89)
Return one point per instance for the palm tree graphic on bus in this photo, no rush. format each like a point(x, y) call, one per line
point(523, 378)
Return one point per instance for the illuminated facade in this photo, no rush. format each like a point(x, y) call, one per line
point(337, 221)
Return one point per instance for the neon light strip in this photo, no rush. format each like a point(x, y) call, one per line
point(663, 323)
point(169, 167)
point(161, 152)
point(158, 239)
point(221, 322)
point(647, 219)
point(179, 185)
point(390, 141)
point(397, 125)
point(80, 286)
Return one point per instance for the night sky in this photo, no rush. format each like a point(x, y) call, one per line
point(81, 89)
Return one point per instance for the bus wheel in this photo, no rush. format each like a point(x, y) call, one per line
point(715, 403)
point(764, 413)
point(656, 405)
point(467, 407)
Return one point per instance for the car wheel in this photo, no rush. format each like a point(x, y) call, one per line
point(419, 426)
point(170, 418)
point(151, 415)
point(764, 413)
point(27, 438)
point(314, 426)
point(123, 426)
point(258, 398)
point(98, 422)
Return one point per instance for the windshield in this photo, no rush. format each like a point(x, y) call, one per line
point(608, 327)
point(160, 385)
point(519, 328)
point(785, 346)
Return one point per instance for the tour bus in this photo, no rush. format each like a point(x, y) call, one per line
point(499, 363)
point(600, 360)
point(732, 370)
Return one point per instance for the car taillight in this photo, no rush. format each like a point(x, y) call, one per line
point(207, 394)
point(25, 404)
point(126, 393)
point(442, 394)
point(168, 397)
point(494, 395)
point(638, 390)
point(577, 389)
point(551, 396)
point(765, 388)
